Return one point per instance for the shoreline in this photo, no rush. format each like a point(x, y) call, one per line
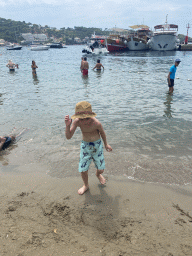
point(43, 215)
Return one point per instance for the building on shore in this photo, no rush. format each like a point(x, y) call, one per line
point(29, 38)
point(2, 42)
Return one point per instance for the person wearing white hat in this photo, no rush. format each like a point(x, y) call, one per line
point(91, 145)
point(171, 75)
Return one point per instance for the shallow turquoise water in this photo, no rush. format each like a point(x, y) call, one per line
point(130, 98)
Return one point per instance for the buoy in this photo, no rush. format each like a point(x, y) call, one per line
point(117, 41)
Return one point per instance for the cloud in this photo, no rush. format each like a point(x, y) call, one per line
point(102, 14)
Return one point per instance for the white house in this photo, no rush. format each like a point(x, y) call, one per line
point(34, 37)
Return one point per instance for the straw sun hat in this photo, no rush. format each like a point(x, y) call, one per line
point(83, 110)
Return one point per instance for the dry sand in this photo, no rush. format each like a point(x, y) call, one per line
point(42, 215)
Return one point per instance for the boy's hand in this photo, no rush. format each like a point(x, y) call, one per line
point(108, 148)
point(68, 121)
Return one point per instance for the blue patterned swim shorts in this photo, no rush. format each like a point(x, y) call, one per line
point(91, 151)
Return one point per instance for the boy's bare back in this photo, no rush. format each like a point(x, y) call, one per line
point(85, 65)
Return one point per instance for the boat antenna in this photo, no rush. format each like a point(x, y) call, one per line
point(166, 19)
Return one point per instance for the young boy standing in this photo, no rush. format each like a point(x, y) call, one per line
point(171, 75)
point(91, 145)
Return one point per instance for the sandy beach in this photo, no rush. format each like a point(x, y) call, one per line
point(44, 215)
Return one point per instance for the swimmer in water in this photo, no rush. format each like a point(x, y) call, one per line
point(12, 65)
point(85, 67)
point(34, 66)
point(98, 66)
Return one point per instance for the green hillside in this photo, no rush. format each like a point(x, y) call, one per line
point(11, 30)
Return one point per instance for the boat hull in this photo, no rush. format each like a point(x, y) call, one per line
point(39, 48)
point(14, 48)
point(137, 44)
point(163, 42)
point(116, 45)
point(95, 51)
point(116, 48)
point(56, 46)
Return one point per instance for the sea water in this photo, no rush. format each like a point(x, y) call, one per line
point(148, 129)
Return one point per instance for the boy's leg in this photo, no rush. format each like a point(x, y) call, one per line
point(85, 187)
point(100, 177)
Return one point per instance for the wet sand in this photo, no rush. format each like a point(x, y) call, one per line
point(44, 215)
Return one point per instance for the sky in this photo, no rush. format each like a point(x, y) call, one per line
point(99, 13)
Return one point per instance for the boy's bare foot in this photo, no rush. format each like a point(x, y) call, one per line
point(82, 190)
point(101, 179)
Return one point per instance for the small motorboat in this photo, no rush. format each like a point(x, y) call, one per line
point(97, 46)
point(14, 47)
point(39, 47)
point(56, 45)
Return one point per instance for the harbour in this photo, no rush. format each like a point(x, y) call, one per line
point(185, 47)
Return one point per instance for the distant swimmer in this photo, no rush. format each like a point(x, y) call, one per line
point(85, 67)
point(12, 65)
point(34, 66)
point(171, 75)
point(98, 66)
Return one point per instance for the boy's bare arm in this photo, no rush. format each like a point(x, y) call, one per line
point(104, 138)
point(70, 129)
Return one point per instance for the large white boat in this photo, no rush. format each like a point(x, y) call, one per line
point(96, 46)
point(138, 41)
point(39, 47)
point(164, 38)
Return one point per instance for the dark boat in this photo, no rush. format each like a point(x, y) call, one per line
point(56, 45)
point(16, 47)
